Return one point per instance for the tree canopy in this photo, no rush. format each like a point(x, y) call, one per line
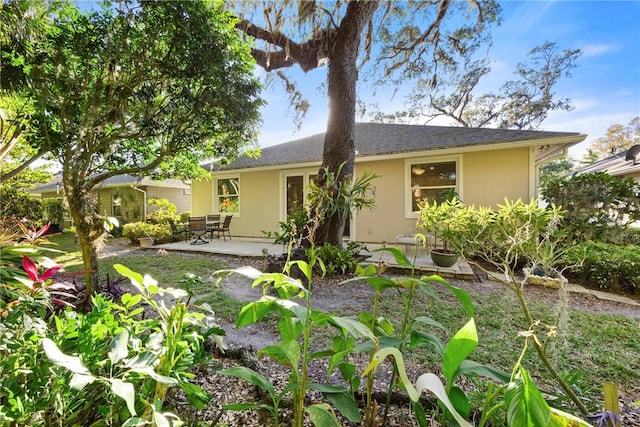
point(141, 88)
point(618, 139)
point(522, 103)
point(390, 42)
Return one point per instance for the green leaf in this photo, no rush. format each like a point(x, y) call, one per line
point(461, 294)
point(196, 395)
point(432, 383)
point(346, 404)
point(470, 368)
point(72, 363)
point(119, 347)
point(460, 401)
point(418, 338)
point(250, 376)
point(245, 406)
point(398, 255)
point(253, 312)
point(79, 381)
point(285, 352)
point(418, 411)
point(525, 404)
point(428, 321)
point(562, 419)
point(322, 415)
point(381, 283)
point(125, 391)
point(356, 328)
point(136, 278)
point(458, 348)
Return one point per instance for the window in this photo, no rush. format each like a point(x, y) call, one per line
point(431, 181)
point(116, 204)
point(228, 195)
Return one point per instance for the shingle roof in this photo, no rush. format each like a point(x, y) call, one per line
point(114, 181)
point(373, 139)
point(614, 165)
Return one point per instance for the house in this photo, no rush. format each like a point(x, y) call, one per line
point(624, 165)
point(415, 163)
point(124, 197)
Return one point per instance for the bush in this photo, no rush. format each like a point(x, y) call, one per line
point(597, 206)
point(16, 204)
point(607, 265)
point(164, 211)
point(339, 260)
point(161, 233)
point(184, 217)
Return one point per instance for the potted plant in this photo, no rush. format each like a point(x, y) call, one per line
point(440, 221)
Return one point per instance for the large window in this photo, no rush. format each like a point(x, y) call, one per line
point(431, 181)
point(228, 195)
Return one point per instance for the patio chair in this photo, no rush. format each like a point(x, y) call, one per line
point(178, 232)
point(198, 228)
point(223, 228)
point(213, 221)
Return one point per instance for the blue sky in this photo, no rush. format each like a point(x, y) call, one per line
point(604, 88)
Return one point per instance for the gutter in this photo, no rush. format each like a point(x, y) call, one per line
point(144, 208)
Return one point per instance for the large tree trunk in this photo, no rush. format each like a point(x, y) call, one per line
point(339, 142)
point(88, 229)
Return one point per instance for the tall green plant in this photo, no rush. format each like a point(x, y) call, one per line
point(515, 234)
point(293, 351)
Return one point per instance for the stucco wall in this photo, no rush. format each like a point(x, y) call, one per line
point(486, 178)
point(490, 176)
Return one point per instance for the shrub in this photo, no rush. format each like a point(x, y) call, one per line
point(607, 265)
point(184, 217)
point(597, 206)
point(161, 233)
point(164, 211)
point(337, 260)
point(16, 204)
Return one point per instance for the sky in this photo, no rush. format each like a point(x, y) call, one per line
point(604, 88)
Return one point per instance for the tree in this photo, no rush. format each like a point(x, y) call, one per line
point(408, 39)
point(556, 169)
point(141, 88)
point(23, 28)
point(618, 139)
point(523, 103)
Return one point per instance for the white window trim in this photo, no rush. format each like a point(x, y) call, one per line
point(408, 213)
point(216, 198)
point(283, 187)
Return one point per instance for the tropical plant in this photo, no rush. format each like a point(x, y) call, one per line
point(335, 201)
point(440, 220)
point(516, 234)
point(294, 351)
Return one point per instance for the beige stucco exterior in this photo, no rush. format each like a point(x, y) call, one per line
point(484, 178)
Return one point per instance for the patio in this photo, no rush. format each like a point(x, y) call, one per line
point(254, 247)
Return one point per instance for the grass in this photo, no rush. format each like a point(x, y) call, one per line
point(591, 348)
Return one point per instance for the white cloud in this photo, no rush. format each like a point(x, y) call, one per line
point(597, 49)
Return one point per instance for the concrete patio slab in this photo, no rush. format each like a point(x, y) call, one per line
point(255, 247)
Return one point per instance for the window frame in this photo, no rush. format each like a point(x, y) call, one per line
point(408, 163)
point(116, 195)
point(216, 195)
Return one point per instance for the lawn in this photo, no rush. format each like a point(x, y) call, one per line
point(590, 348)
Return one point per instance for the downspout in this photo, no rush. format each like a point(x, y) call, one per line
point(144, 205)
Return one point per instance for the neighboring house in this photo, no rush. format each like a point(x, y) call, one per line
point(415, 164)
point(124, 197)
point(625, 165)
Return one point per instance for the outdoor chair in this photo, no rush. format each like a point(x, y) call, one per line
point(223, 228)
point(178, 232)
point(198, 228)
point(213, 221)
